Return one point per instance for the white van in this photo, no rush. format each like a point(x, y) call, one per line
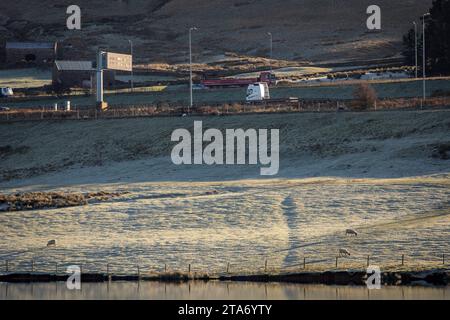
point(6, 92)
point(258, 91)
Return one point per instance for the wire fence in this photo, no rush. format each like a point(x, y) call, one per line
point(230, 108)
point(402, 262)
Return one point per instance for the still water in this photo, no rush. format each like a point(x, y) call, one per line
point(216, 290)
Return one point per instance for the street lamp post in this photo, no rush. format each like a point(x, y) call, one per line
point(191, 102)
point(424, 58)
point(131, 52)
point(271, 49)
point(415, 45)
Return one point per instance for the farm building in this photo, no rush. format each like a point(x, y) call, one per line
point(81, 74)
point(26, 52)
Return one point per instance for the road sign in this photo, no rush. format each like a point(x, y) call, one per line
point(118, 61)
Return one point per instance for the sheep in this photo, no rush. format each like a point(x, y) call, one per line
point(51, 243)
point(351, 232)
point(343, 252)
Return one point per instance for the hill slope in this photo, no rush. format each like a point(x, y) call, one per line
point(319, 31)
point(373, 144)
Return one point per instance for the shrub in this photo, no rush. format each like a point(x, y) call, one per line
point(442, 151)
point(365, 97)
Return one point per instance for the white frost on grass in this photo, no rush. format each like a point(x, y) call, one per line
point(372, 172)
point(242, 222)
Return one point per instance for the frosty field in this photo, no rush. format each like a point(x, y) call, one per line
point(244, 223)
point(373, 172)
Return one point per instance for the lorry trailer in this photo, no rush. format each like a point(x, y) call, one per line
point(266, 77)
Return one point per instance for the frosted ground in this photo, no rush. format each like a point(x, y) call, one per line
point(372, 172)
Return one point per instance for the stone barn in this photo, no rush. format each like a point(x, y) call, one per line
point(30, 52)
point(79, 74)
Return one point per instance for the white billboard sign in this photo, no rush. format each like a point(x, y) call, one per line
point(118, 61)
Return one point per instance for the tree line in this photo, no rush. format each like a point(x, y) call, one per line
point(437, 40)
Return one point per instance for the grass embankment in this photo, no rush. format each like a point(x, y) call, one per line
point(173, 109)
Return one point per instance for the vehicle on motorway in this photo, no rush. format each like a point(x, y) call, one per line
point(6, 92)
point(198, 86)
point(4, 109)
point(266, 77)
point(258, 91)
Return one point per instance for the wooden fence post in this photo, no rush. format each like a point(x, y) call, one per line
point(265, 266)
point(304, 263)
point(7, 265)
point(165, 267)
point(368, 260)
point(189, 268)
point(337, 262)
point(228, 267)
point(56, 268)
point(403, 259)
point(443, 258)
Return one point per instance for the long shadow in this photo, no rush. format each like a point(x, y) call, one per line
point(290, 212)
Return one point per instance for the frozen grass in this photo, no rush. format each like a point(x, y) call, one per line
point(373, 172)
point(243, 223)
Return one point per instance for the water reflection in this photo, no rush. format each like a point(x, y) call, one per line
point(216, 290)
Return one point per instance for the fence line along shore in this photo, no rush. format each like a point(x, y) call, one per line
point(337, 271)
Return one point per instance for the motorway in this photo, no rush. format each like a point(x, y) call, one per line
point(399, 89)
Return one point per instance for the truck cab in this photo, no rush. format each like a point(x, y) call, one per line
point(258, 91)
point(267, 77)
point(6, 92)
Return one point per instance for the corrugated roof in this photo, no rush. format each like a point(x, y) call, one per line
point(74, 65)
point(30, 45)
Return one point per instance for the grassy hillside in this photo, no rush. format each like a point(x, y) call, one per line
point(315, 30)
point(375, 143)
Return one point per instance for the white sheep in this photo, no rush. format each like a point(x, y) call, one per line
point(351, 232)
point(51, 243)
point(343, 252)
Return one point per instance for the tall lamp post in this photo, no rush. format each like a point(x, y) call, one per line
point(424, 53)
point(191, 102)
point(271, 49)
point(131, 52)
point(415, 45)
